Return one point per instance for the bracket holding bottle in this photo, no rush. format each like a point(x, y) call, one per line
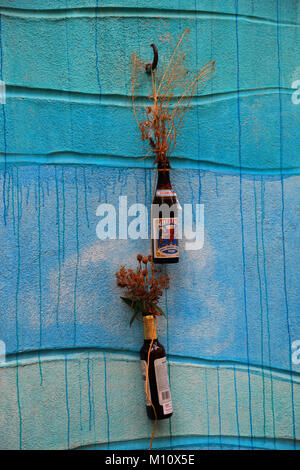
point(152, 66)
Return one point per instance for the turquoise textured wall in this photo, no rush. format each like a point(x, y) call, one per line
point(68, 142)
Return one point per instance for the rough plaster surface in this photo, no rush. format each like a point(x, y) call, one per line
point(233, 309)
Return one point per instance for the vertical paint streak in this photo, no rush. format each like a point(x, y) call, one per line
point(77, 257)
point(267, 307)
point(217, 185)
point(106, 400)
point(241, 212)
point(261, 307)
point(212, 47)
point(4, 131)
point(67, 402)
point(200, 186)
point(168, 352)
point(58, 246)
point(85, 198)
point(198, 126)
point(211, 81)
point(17, 309)
point(43, 196)
point(68, 77)
point(196, 50)
point(96, 50)
point(40, 271)
point(207, 408)
point(236, 406)
point(21, 202)
point(89, 392)
point(8, 191)
point(283, 221)
point(27, 195)
point(93, 399)
point(219, 408)
point(13, 202)
point(80, 394)
point(63, 212)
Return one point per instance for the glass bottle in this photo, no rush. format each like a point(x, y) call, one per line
point(158, 377)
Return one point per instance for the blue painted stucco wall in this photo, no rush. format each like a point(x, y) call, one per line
point(68, 142)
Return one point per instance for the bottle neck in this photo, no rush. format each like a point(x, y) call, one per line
point(149, 328)
point(163, 178)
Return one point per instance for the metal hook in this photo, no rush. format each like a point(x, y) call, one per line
point(150, 67)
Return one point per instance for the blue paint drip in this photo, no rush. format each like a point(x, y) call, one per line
point(80, 394)
point(200, 186)
point(106, 400)
point(77, 258)
point(35, 197)
point(58, 246)
point(89, 392)
point(196, 32)
point(40, 270)
point(43, 196)
point(27, 195)
point(96, 49)
point(4, 131)
point(63, 212)
point(261, 306)
point(21, 202)
point(236, 406)
point(69, 81)
point(85, 199)
point(267, 308)
point(198, 125)
point(93, 400)
point(282, 220)
point(67, 402)
point(13, 204)
point(207, 407)
point(17, 310)
point(219, 407)
point(242, 217)
point(8, 191)
point(217, 188)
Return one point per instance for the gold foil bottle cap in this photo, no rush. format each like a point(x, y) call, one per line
point(149, 327)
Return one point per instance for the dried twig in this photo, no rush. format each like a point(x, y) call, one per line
point(166, 114)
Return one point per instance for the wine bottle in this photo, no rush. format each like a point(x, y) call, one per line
point(164, 219)
point(158, 388)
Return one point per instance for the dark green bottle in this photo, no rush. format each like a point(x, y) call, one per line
point(158, 381)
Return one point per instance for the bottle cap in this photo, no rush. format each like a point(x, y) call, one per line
point(149, 327)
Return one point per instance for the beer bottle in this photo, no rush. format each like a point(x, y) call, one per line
point(164, 223)
point(158, 378)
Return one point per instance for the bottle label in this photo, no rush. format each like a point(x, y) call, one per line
point(165, 238)
point(163, 386)
point(144, 374)
point(165, 193)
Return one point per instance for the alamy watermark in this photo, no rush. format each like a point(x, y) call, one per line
point(296, 94)
point(296, 352)
point(132, 222)
point(296, 86)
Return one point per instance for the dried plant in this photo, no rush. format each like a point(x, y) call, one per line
point(171, 98)
point(144, 287)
